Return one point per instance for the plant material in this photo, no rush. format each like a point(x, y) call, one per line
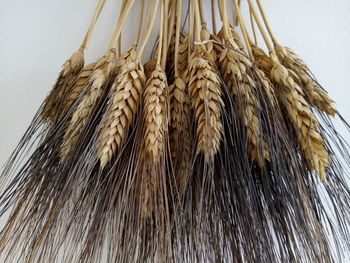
point(204, 89)
point(125, 101)
point(155, 110)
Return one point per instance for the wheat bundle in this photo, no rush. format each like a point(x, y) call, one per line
point(211, 150)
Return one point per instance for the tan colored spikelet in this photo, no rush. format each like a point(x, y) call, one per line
point(124, 103)
point(79, 84)
point(210, 46)
point(100, 76)
point(303, 120)
point(317, 96)
point(183, 58)
point(68, 74)
point(149, 67)
point(155, 114)
point(204, 89)
point(235, 70)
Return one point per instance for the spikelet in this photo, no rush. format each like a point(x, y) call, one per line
point(235, 69)
point(183, 58)
point(79, 84)
point(100, 76)
point(303, 120)
point(68, 74)
point(149, 67)
point(155, 114)
point(210, 46)
point(316, 95)
point(205, 93)
point(124, 103)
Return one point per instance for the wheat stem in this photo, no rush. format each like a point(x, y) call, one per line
point(263, 14)
point(177, 37)
point(140, 22)
point(213, 16)
point(97, 13)
point(165, 34)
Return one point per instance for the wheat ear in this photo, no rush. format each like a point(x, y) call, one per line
point(100, 76)
point(124, 103)
point(316, 95)
point(155, 113)
point(68, 74)
point(234, 68)
point(204, 89)
point(79, 84)
point(303, 120)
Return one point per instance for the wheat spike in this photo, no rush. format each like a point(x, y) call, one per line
point(100, 76)
point(124, 103)
point(68, 74)
point(235, 70)
point(183, 58)
point(303, 120)
point(204, 89)
point(155, 113)
point(79, 84)
point(316, 95)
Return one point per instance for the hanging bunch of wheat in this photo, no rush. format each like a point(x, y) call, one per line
point(212, 150)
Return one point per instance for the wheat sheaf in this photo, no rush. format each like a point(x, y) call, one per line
point(303, 120)
point(99, 78)
point(316, 95)
point(234, 68)
point(124, 103)
point(155, 114)
point(205, 92)
point(68, 74)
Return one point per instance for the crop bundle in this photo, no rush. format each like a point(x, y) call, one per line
point(213, 149)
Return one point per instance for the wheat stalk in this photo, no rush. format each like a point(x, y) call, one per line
point(79, 84)
point(303, 120)
point(155, 114)
point(68, 74)
point(124, 103)
point(204, 89)
point(100, 76)
point(317, 96)
point(235, 70)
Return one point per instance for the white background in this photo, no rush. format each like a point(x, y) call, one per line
point(37, 36)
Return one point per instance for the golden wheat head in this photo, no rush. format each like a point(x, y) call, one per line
point(124, 103)
point(155, 114)
point(69, 72)
point(303, 120)
point(205, 93)
point(99, 78)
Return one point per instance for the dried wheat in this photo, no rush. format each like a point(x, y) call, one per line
point(235, 69)
point(55, 99)
point(155, 114)
point(317, 96)
point(149, 67)
point(124, 103)
point(303, 120)
point(204, 89)
point(100, 76)
point(79, 84)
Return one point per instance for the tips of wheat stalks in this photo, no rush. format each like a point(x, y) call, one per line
point(155, 114)
point(99, 78)
point(123, 105)
point(69, 72)
point(303, 120)
point(235, 70)
point(316, 95)
point(205, 92)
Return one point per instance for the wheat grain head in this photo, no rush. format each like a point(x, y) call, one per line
point(235, 69)
point(124, 103)
point(303, 120)
point(79, 84)
point(100, 76)
point(155, 114)
point(55, 99)
point(316, 95)
point(205, 93)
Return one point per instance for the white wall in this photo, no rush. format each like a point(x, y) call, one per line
point(37, 36)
